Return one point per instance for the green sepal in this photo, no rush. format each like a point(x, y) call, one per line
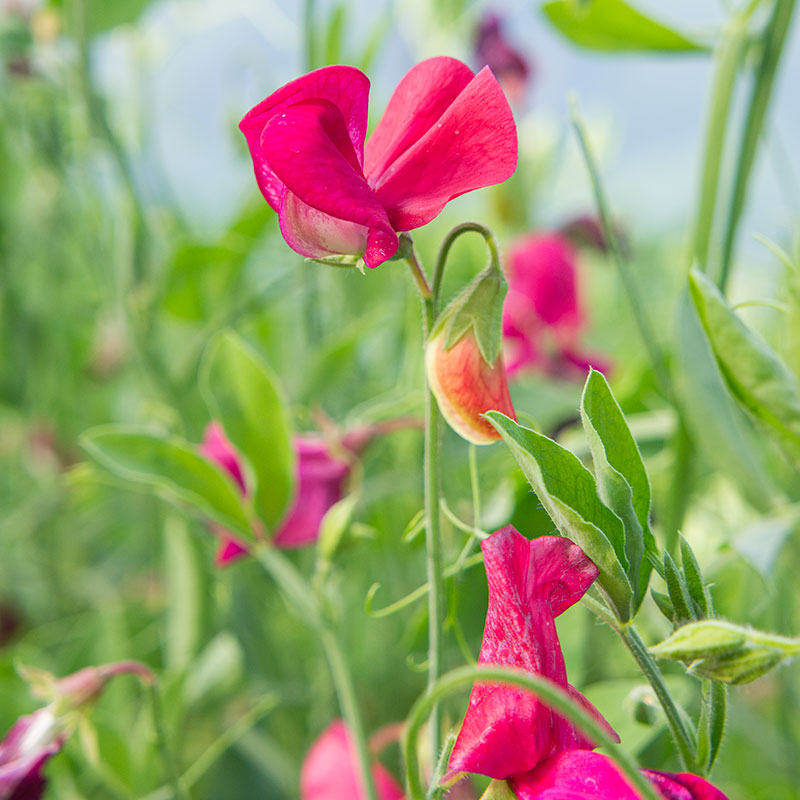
point(478, 306)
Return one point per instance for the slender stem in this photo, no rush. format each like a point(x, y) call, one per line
point(301, 596)
point(170, 765)
point(772, 41)
point(444, 251)
point(684, 739)
point(728, 58)
point(432, 493)
point(680, 487)
point(554, 696)
point(421, 281)
point(626, 276)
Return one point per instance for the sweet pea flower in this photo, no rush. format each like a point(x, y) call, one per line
point(36, 737)
point(508, 730)
point(330, 770)
point(543, 304)
point(320, 478)
point(583, 775)
point(493, 49)
point(446, 131)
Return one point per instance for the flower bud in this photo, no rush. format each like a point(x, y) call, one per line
point(498, 790)
point(464, 361)
point(466, 386)
point(726, 652)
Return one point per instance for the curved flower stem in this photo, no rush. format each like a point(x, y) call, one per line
point(553, 695)
point(772, 41)
point(682, 735)
point(301, 596)
point(444, 251)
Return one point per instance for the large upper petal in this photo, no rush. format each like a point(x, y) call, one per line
point(472, 144)
point(420, 99)
point(330, 770)
point(309, 150)
point(346, 87)
point(507, 730)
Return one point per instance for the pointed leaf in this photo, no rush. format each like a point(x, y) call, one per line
point(173, 467)
point(616, 26)
point(568, 492)
point(678, 592)
point(755, 374)
point(694, 578)
point(245, 397)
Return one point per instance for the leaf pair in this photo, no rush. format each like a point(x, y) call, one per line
point(243, 395)
point(605, 514)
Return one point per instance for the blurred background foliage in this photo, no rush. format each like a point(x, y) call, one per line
point(131, 231)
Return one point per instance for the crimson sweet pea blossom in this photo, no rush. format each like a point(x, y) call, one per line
point(330, 770)
point(446, 131)
point(320, 478)
point(508, 730)
point(507, 733)
point(493, 49)
point(542, 309)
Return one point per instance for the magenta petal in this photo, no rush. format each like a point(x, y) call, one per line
point(420, 99)
point(229, 550)
point(508, 730)
point(346, 87)
point(320, 479)
point(330, 770)
point(683, 786)
point(473, 144)
point(26, 747)
point(574, 774)
point(218, 449)
point(308, 148)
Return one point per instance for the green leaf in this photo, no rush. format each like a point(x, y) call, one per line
point(761, 543)
point(244, 396)
point(678, 592)
point(718, 426)
point(615, 26)
point(621, 477)
point(694, 579)
point(173, 467)
point(755, 374)
point(568, 492)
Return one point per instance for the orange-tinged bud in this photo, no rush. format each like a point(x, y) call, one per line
point(466, 386)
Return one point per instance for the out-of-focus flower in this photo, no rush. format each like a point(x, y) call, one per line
point(330, 770)
point(445, 132)
point(493, 50)
point(466, 386)
point(583, 775)
point(508, 730)
point(543, 316)
point(320, 475)
point(36, 737)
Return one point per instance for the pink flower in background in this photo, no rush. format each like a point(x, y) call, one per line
point(583, 775)
point(466, 386)
point(36, 737)
point(330, 770)
point(507, 730)
point(493, 50)
point(320, 478)
point(542, 315)
point(445, 132)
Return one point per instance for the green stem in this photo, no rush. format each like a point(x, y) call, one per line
point(772, 41)
point(728, 58)
point(170, 766)
point(683, 737)
point(432, 492)
point(551, 694)
point(680, 487)
point(444, 251)
point(623, 268)
point(301, 596)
